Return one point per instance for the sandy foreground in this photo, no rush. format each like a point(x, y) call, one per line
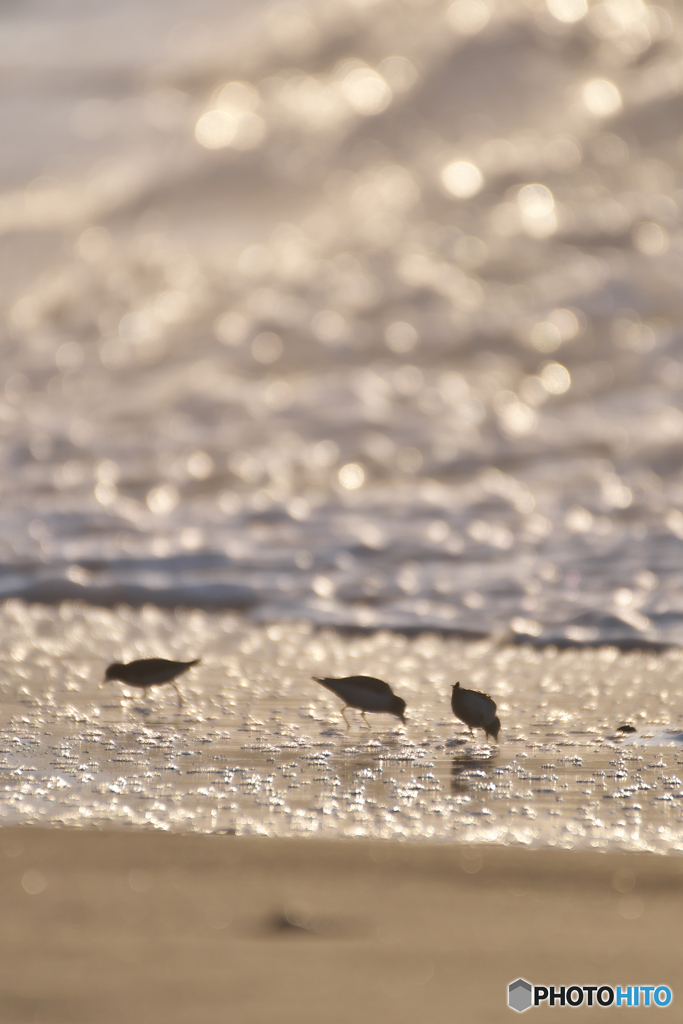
point(112, 926)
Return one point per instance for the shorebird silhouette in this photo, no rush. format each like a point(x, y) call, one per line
point(149, 672)
point(365, 694)
point(477, 710)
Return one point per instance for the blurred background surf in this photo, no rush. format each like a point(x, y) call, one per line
point(366, 313)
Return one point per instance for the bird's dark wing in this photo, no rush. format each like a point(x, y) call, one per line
point(157, 663)
point(363, 682)
point(459, 693)
point(372, 685)
point(489, 700)
point(150, 664)
point(152, 671)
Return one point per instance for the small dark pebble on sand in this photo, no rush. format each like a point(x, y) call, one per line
point(287, 922)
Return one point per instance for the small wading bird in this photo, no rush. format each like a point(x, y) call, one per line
point(149, 672)
point(365, 694)
point(477, 710)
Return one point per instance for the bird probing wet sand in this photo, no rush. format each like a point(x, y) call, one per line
point(365, 694)
point(149, 672)
point(477, 710)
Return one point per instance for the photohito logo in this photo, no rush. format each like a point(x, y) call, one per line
point(522, 995)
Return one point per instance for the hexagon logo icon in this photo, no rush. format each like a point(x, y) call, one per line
point(519, 995)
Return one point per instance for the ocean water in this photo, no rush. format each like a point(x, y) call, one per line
point(362, 315)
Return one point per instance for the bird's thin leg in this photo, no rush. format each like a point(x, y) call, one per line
point(348, 724)
point(471, 731)
point(180, 699)
point(365, 720)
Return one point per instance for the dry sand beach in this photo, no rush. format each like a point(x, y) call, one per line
point(100, 927)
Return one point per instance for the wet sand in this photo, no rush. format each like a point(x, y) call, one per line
point(105, 926)
point(260, 748)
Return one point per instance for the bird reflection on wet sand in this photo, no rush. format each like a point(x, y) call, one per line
point(467, 763)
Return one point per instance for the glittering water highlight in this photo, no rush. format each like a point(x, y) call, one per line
point(344, 316)
point(367, 314)
point(258, 748)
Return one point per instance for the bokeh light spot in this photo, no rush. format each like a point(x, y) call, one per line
point(237, 98)
point(601, 97)
point(567, 11)
point(545, 337)
point(399, 72)
point(231, 328)
point(352, 476)
point(401, 337)
point(462, 179)
point(69, 356)
point(566, 321)
point(651, 239)
point(537, 208)
point(163, 499)
point(468, 17)
point(325, 453)
point(366, 91)
point(578, 519)
point(556, 378)
point(216, 129)
point(323, 586)
point(329, 326)
point(267, 347)
point(526, 627)
point(535, 201)
point(200, 465)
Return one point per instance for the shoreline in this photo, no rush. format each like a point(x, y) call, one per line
point(259, 747)
point(102, 925)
